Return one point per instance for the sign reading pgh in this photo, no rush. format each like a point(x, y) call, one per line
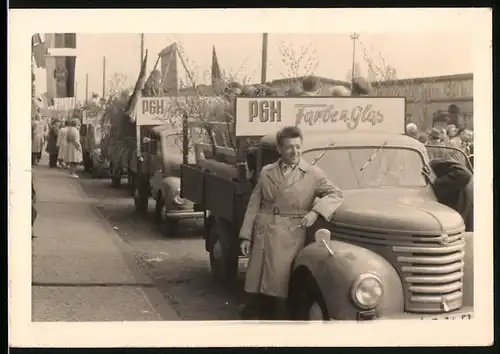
point(91, 117)
point(261, 116)
point(170, 109)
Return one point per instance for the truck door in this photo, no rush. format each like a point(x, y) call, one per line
point(448, 153)
point(155, 164)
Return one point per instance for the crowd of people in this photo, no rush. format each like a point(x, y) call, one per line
point(62, 141)
point(308, 86)
point(451, 136)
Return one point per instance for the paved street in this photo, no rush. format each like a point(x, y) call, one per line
point(95, 259)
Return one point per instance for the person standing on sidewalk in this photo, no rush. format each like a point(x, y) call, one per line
point(38, 139)
point(288, 198)
point(52, 148)
point(61, 144)
point(74, 154)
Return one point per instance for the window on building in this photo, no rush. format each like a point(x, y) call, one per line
point(59, 40)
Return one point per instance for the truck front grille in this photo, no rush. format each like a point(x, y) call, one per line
point(433, 273)
point(430, 266)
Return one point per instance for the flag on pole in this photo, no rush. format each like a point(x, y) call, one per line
point(170, 80)
point(137, 93)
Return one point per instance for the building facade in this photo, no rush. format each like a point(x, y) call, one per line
point(429, 96)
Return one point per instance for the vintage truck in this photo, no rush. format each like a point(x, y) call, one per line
point(158, 161)
point(390, 251)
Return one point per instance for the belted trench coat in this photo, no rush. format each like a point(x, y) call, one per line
point(274, 212)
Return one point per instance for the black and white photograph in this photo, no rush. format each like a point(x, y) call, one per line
point(255, 178)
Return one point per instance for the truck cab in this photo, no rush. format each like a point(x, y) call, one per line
point(160, 173)
point(392, 250)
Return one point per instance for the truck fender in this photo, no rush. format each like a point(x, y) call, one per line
point(335, 275)
point(468, 280)
point(168, 187)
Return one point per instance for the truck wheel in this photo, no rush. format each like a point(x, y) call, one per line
point(130, 182)
point(224, 256)
point(141, 198)
point(95, 172)
point(116, 177)
point(116, 181)
point(305, 301)
point(86, 163)
point(167, 226)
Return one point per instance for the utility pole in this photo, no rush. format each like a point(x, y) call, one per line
point(264, 58)
point(103, 77)
point(354, 38)
point(86, 88)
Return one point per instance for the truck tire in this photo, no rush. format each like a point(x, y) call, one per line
point(305, 301)
point(141, 196)
point(224, 253)
point(87, 162)
point(130, 182)
point(94, 172)
point(167, 226)
point(116, 178)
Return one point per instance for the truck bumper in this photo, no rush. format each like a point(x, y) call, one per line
point(184, 214)
point(465, 313)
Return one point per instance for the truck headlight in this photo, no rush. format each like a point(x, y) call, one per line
point(367, 290)
point(177, 200)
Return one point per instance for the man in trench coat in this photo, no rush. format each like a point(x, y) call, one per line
point(282, 205)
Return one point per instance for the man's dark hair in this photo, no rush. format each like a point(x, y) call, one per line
point(290, 132)
point(453, 109)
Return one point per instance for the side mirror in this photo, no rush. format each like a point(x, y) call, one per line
point(149, 145)
point(323, 236)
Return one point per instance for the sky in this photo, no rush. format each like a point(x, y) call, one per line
point(412, 55)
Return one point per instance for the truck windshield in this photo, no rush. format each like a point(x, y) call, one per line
point(391, 167)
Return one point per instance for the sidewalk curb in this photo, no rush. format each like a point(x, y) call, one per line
point(153, 295)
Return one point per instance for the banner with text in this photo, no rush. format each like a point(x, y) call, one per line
point(91, 117)
point(264, 115)
point(170, 109)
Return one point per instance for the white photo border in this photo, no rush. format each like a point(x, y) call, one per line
point(24, 333)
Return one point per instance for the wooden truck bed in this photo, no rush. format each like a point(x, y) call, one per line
point(223, 197)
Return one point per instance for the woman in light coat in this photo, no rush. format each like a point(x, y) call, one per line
point(74, 154)
point(61, 144)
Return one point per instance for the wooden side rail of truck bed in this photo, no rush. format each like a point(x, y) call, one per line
point(223, 197)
